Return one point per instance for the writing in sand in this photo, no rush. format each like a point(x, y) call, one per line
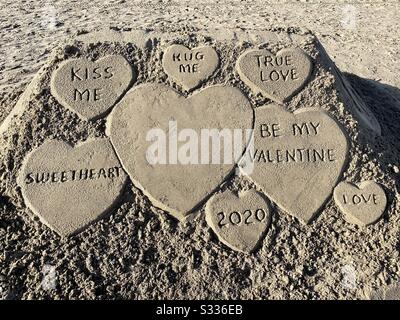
point(277, 68)
point(72, 175)
point(300, 153)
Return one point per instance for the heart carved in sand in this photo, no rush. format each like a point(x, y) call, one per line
point(362, 204)
point(297, 158)
point(190, 67)
point(70, 187)
point(277, 77)
point(239, 221)
point(91, 88)
point(161, 139)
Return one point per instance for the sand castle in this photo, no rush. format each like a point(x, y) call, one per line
point(85, 119)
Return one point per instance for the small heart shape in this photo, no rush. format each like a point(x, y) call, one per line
point(362, 204)
point(91, 88)
point(297, 158)
point(70, 187)
point(239, 221)
point(153, 119)
point(278, 77)
point(190, 67)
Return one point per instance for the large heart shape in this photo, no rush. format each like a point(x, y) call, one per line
point(361, 204)
point(297, 158)
point(152, 117)
point(239, 221)
point(190, 67)
point(70, 187)
point(91, 88)
point(278, 77)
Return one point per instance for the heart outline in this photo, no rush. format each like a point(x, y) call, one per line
point(89, 113)
point(76, 224)
point(234, 95)
point(190, 84)
point(239, 197)
point(249, 76)
point(366, 186)
point(285, 201)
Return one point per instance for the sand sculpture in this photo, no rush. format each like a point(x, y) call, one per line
point(293, 101)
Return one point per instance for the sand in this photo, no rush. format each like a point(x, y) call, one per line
point(140, 252)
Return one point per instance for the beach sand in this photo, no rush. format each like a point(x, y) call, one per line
point(138, 252)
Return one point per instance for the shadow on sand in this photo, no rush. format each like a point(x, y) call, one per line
point(384, 101)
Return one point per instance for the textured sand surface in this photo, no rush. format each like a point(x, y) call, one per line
point(136, 254)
